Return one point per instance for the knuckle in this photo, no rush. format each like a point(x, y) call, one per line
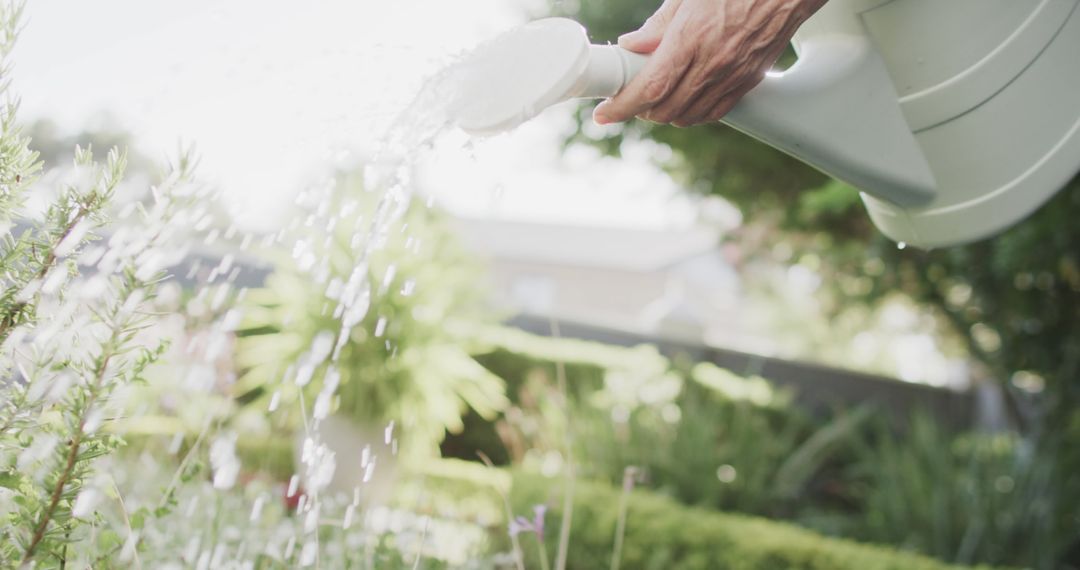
point(656, 88)
point(661, 116)
point(720, 110)
point(664, 14)
point(702, 85)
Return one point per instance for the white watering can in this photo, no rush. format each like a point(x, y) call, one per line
point(956, 118)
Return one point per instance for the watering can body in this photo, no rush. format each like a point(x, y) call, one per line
point(956, 119)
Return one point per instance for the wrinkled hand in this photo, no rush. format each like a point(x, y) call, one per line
point(706, 54)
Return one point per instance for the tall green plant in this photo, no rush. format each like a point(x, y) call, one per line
point(962, 498)
point(74, 344)
point(70, 338)
point(407, 361)
point(702, 434)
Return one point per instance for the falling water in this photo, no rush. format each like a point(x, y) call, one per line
point(388, 177)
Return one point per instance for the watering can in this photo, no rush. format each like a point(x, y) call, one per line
point(955, 119)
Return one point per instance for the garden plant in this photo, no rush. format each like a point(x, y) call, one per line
point(173, 390)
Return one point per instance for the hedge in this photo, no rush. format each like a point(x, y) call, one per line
point(662, 534)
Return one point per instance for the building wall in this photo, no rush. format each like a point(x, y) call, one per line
point(609, 296)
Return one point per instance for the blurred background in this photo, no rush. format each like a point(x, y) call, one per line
point(681, 311)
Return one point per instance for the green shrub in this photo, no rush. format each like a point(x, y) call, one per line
point(661, 534)
point(965, 497)
point(701, 434)
point(73, 314)
point(407, 359)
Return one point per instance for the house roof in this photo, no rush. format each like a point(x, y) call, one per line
point(607, 247)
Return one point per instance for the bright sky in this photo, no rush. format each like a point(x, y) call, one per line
point(272, 92)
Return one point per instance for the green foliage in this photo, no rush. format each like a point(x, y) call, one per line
point(70, 344)
point(18, 164)
point(1012, 301)
point(751, 454)
point(700, 434)
point(962, 498)
point(663, 534)
point(203, 525)
point(407, 361)
point(71, 366)
point(724, 441)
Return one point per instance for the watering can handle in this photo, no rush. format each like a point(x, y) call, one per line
point(835, 109)
point(610, 69)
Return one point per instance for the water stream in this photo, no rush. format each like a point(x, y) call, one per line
point(322, 208)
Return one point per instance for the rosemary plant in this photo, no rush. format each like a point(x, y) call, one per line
point(72, 310)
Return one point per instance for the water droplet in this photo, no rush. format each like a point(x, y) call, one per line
point(388, 278)
point(85, 503)
point(322, 405)
point(211, 237)
point(307, 554)
point(224, 462)
point(55, 279)
point(350, 512)
point(369, 471)
point(174, 445)
point(311, 521)
point(257, 508)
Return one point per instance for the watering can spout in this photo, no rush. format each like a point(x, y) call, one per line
point(836, 110)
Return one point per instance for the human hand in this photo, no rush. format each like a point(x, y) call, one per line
point(706, 54)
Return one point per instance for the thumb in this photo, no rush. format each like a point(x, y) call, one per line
point(646, 38)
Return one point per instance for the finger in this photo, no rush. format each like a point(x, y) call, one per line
point(715, 101)
point(712, 106)
point(726, 103)
point(722, 108)
point(661, 74)
point(702, 108)
point(692, 32)
point(700, 87)
point(648, 36)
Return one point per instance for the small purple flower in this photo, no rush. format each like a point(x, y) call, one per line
point(535, 526)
